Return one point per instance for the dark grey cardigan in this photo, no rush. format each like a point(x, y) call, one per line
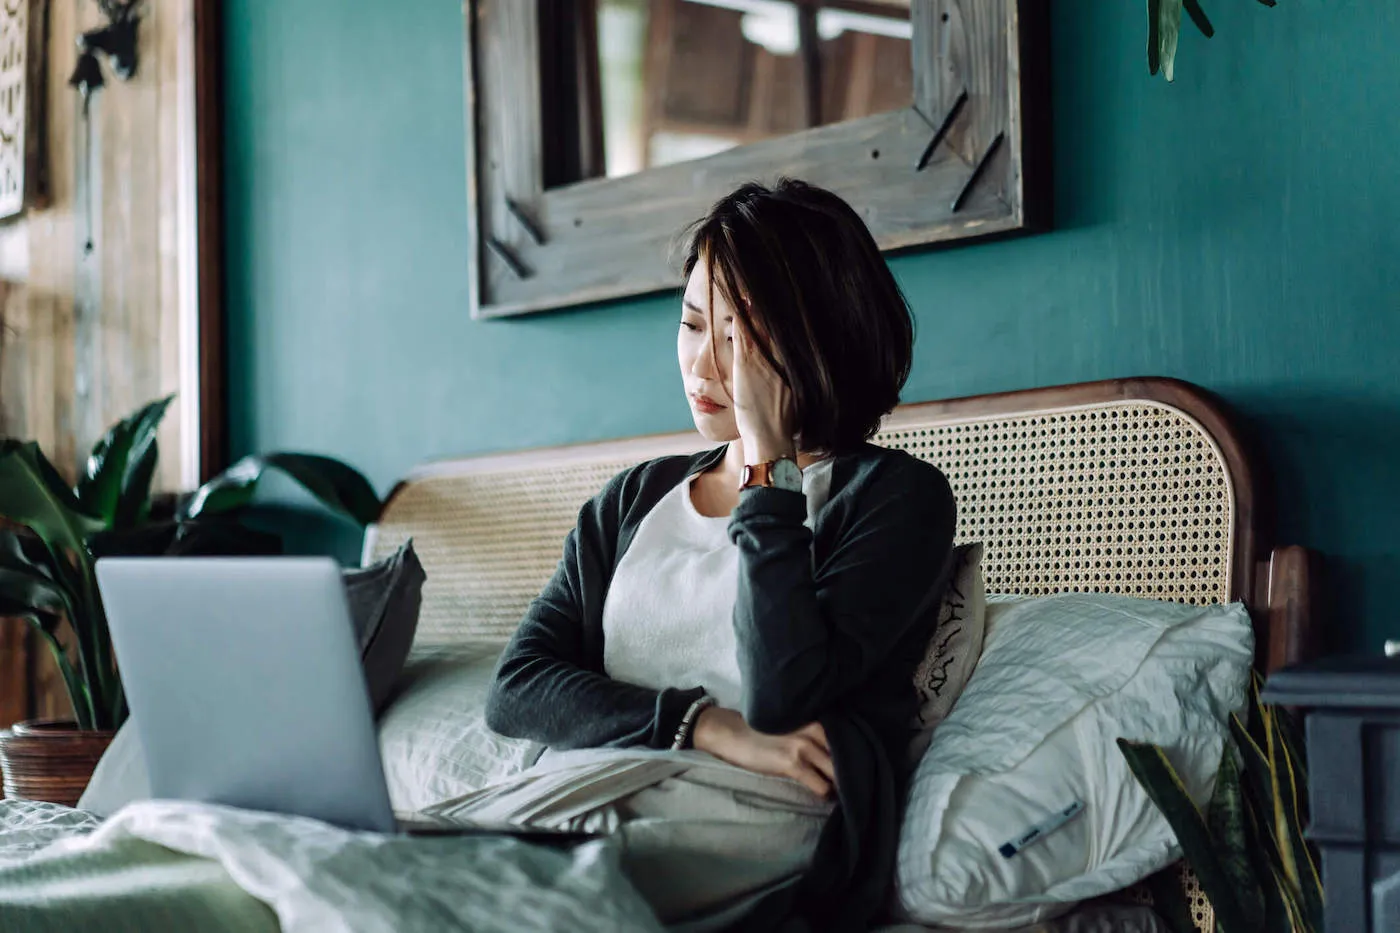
point(830, 624)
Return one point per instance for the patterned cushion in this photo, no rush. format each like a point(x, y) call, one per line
point(954, 647)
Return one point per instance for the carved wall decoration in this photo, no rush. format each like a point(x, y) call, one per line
point(23, 176)
point(965, 156)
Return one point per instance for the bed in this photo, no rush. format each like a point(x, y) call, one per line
point(1141, 487)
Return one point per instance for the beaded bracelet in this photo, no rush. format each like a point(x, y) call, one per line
point(688, 722)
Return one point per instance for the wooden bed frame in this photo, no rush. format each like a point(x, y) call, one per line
point(1143, 487)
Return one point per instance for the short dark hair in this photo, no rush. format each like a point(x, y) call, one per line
point(801, 268)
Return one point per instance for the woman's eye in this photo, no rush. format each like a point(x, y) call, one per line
point(689, 326)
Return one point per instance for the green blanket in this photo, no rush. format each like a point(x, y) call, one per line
point(127, 885)
point(165, 865)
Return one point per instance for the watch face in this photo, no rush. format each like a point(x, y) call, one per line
point(786, 475)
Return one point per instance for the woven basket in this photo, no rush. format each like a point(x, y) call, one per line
point(50, 760)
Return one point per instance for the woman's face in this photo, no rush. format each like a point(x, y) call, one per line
point(705, 347)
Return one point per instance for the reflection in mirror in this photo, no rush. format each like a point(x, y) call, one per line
point(683, 79)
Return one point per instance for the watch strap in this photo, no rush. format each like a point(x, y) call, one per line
point(764, 474)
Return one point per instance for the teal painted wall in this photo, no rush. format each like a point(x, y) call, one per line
point(1236, 229)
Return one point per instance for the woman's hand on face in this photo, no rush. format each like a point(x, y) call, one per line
point(762, 402)
point(803, 756)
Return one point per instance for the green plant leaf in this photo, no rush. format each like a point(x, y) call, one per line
point(22, 550)
point(34, 495)
point(26, 592)
point(78, 695)
point(1169, 901)
point(1293, 920)
point(338, 486)
point(1164, 787)
point(1277, 796)
point(1265, 858)
point(116, 486)
point(1289, 806)
point(1198, 16)
point(1228, 823)
point(1154, 36)
point(1163, 31)
point(1260, 790)
point(134, 506)
point(1256, 769)
point(213, 537)
point(32, 592)
point(39, 584)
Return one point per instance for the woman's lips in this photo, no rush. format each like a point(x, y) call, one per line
point(706, 405)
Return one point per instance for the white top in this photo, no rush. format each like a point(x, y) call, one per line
point(668, 616)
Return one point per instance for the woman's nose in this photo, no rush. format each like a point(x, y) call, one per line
point(704, 365)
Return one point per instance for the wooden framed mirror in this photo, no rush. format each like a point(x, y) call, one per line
point(598, 129)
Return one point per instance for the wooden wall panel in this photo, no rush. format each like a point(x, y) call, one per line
point(90, 336)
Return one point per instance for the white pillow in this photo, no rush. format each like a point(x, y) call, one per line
point(954, 647)
point(433, 739)
point(1060, 679)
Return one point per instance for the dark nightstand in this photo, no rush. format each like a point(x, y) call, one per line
point(1353, 736)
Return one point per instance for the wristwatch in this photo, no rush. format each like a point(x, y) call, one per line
point(780, 474)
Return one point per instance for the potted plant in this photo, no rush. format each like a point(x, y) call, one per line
point(50, 538)
point(1247, 848)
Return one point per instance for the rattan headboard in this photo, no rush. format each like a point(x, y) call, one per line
point(1138, 487)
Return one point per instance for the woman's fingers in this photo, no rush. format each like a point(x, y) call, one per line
point(818, 758)
point(812, 779)
point(742, 381)
point(815, 731)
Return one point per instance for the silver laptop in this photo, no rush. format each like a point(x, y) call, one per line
point(245, 686)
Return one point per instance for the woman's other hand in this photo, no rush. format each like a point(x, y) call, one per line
point(803, 756)
point(763, 409)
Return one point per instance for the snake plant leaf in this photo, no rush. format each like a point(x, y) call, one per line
point(1293, 919)
point(1277, 797)
point(1169, 900)
point(1287, 730)
point(1265, 858)
point(1164, 787)
point(1298, 863)
point(1198, 16)
point(34, 495)
point(1227, 820)
point(116, 485)
point(1256, 769)
point(339, 487)
point(1277, 804)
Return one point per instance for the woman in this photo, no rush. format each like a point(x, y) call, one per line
point(765, 602)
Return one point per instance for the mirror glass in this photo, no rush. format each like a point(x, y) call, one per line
point(683, 79)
